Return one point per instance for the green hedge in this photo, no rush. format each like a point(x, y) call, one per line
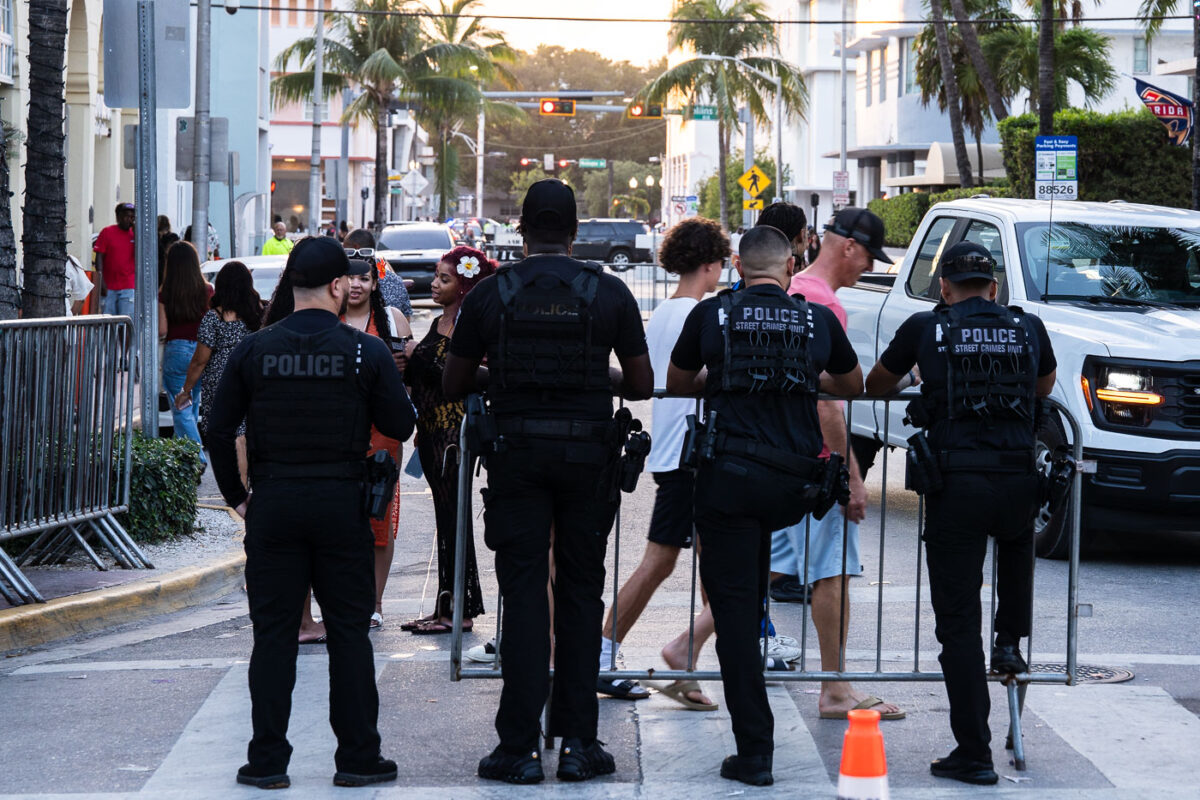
point(162, 492)
point(903, 213)
point(1125, 155)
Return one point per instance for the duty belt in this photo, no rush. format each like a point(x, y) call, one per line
point(277, 470)
point(803, 466)
point(985, 460)
point(574, 430)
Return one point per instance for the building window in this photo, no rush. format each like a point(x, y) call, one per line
point(908, 72)
point(869, 72)
point(6, 41)
point(1141, 56)
point(883, 75)
point(308, 109)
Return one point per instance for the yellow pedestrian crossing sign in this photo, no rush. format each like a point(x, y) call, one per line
point(753, 205)
point(754, 181)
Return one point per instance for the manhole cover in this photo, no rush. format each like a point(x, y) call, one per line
point(1085, 673)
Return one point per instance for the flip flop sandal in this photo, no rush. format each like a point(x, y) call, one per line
point(376, 621)
point(322, 639)
point(622, 689)
point(413, 624)
point(434, 628)
point(869, 702)
point(679, 691)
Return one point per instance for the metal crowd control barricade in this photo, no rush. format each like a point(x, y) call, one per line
point(66, 409)
point(1016, 686)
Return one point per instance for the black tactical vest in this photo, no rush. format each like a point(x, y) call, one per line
point(990, 372)
point(546, 332)
point(308, 405)
point(766, 344)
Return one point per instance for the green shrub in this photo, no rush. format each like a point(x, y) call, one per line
point(162, 488)
point(901, 215)
point(1125, 155)
point(991, 190)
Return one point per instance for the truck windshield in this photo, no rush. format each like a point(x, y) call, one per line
point(1072, 260)
point(405, 238)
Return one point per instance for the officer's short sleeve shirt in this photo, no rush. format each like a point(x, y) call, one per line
point(785, 421)
point(616, 324)
point(916, 343)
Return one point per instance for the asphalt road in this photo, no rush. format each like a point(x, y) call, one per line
point(159, 709)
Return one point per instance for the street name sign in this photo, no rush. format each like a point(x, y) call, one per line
point(593, 163)
point(702, 113)
point(754, 181)
point(1056, 168)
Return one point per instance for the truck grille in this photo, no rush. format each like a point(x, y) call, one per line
point(1184, 401)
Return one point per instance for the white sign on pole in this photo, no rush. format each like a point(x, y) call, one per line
point(684, 206)
point(1056, 173)
point(841, 188)
point(172, 53)
point(414, 182)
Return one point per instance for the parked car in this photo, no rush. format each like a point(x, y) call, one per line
point(413, 250)
point(612, 241)
point(1118, 288)
point(264, 270)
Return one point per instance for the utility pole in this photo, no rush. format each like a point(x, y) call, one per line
point(314, 173)
point(201, 168)
point(748, 159)
point(842, 52)
point(145, 241)
point(343, 187)
point(479, 152)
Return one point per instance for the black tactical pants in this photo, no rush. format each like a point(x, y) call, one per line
point(738, 505)
point(531, 488)
point(300, 532)
point(958, 521)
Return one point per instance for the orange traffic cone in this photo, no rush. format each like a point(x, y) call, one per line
point(863, 774)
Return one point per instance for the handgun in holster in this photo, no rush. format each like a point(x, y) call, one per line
point(834, 486)
point(916, 413)
point(922, 474)
point(483, 434)
point(637, 447)
point(1055, 484)
point(382, 474)
point(699, 441)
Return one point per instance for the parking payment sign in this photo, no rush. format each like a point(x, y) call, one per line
point(1056, 173)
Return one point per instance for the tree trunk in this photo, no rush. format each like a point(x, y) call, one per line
point(44, 240)
point(445, 182)
point(722, 153)
point(10, 295)
point(975, 53)
point(953, 100)
point(381, 168)
point(1046, 70)
point(1196, 104)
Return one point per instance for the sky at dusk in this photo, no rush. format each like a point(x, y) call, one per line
point(639, 43)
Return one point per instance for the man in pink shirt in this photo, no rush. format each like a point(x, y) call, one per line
point(853, 241)
point(115, 261)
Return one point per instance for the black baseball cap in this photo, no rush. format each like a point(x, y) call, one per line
point(549, 205)
point(317, 260)
point(862, 226)
point(967, 260)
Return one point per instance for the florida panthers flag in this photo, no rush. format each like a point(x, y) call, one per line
point(1172, 110)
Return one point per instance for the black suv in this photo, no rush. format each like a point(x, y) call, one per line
point(611, 241)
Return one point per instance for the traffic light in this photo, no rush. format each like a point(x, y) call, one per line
point(528, 162)
point(644, 111)
point(562, 163)
point(272, 187)
point(552, 107)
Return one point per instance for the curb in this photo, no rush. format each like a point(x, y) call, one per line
point(39, 623)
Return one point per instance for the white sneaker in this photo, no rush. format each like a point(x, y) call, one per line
point(778, 650)
point(787, 641)
point(483, 653)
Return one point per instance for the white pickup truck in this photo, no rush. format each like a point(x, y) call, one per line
point(1118, 288)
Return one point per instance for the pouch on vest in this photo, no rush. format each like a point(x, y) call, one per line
point(766, 344)
point(990, 373)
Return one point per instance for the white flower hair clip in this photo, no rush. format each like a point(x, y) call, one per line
point(468, 266)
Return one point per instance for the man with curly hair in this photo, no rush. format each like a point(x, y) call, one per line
point(695, 250)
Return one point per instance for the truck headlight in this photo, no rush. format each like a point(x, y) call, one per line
point(1126, 396)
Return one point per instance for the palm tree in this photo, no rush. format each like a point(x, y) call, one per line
point(742, 30)
point(1151, 14)
point(44, 239)
point(450, 107)
point(1046, 71)
point(986, 79)
point(953, 100)
point(1080, 56)
point(10, 294)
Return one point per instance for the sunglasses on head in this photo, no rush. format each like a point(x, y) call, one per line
point(361, 252)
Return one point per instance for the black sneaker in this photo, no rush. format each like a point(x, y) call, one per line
point(262, 778)
point(1007, 660)
point(752, 770)
point(966, 770)
point(501, 765)
point(381, 771)
point(578, 761)
point(788, 589)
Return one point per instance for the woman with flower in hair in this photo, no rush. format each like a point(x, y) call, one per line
point(438, 422)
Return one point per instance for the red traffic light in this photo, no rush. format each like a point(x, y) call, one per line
point(562, 162)
point(644, 111)
point(272, 187)
point(525, 162)
point(551, 107)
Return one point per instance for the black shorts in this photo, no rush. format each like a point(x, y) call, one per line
point(671, 520)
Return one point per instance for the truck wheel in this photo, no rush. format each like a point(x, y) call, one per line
point(620, 260)
point(1051, 535)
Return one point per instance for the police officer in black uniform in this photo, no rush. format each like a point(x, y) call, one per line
point(758, 469)
point(983, 367)
point(309, 389)
point(547, 326)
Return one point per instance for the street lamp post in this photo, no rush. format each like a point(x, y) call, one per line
point(778, 81)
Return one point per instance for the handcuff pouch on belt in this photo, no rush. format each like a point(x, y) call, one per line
point(382, 474)
point(483, 434)
point(922, 474)
point(1054, 485)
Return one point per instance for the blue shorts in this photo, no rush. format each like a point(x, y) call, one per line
point(825, 551)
